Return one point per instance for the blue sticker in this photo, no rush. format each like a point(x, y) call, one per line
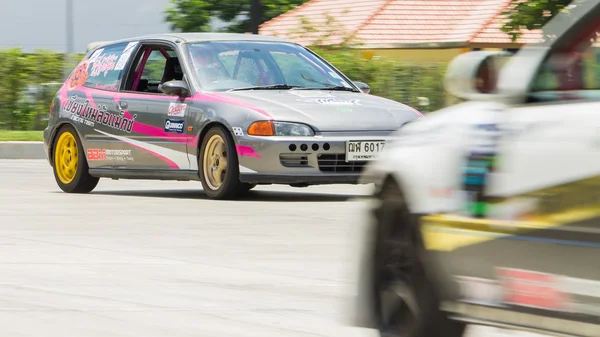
point(174, 125)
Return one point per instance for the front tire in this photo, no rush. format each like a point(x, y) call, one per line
point(219, 167)
point(405, 298)
point(71, 170)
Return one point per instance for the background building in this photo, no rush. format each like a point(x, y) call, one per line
point(415, 30)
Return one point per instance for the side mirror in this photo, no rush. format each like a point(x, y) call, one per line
point(175, 88)
point(365, 88)
point(474, 75)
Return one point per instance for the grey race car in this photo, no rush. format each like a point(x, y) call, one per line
point(230, 110)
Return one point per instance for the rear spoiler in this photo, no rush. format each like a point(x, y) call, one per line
point(94, 45)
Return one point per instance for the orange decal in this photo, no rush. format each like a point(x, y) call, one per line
point(79, 76)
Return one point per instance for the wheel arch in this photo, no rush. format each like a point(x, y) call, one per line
point(206, 127)
point(59, 126)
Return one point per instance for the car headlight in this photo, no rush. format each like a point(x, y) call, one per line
point(271, 128)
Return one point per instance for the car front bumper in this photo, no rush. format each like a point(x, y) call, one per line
point(301, 160)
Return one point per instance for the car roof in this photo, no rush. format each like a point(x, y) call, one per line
point(197, 37)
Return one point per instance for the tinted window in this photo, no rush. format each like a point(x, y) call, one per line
point(222, 66)
point(155, 67)
point(572, 73)
point(104, 67)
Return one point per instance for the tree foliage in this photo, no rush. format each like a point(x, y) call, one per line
point(22, 73)
point(531, 15)
point(195, 15)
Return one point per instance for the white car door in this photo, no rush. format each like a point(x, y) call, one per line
point(546, 145)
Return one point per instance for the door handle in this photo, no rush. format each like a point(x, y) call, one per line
point(122, 105)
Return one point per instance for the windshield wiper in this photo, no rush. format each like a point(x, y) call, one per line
point(335, 87)
point(266, 87)
point(339, 88)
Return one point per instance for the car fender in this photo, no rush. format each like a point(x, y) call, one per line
point(60, 122)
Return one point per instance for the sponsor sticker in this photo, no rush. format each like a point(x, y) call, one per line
point(95, 55)
point(125, 55)
point(238, 131)
point(176, 109)
point(532, 289)
point(86, 113)
point(109, 154)
point(310, 93)
point(334, 101)
point(103, 64)
point(174, 125)
point(96, 154)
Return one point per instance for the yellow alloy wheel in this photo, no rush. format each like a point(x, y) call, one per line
point(215, 162)
point(66, 155)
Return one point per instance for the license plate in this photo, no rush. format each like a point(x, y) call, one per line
point(363, 150)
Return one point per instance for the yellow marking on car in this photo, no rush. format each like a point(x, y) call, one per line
point(445, 232)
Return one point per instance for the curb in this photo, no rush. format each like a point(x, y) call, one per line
point(22, 150)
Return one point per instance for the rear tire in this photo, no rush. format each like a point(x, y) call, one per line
point(405, 298)
point(219, 167)
point(71, 170)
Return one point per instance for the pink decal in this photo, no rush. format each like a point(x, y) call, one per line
point(158, 132)
point(171, 163)
point(88, 95)
point(103, 64)
point(105, 87)
point(416, 111)
point(63, 96)
point(153, 131)
point(246, 151)
point(218, 98)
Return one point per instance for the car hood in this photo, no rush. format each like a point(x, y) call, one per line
point(330, 110)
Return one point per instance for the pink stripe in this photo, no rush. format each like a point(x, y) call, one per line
point(165, 159)
point(246, 151)
point(158, 132)
point(153, 131)
point(219, 98)
point(416, 111)
point(200, 97)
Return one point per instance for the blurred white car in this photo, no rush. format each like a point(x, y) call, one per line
point(488, 211)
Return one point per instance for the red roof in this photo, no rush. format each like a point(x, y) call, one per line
point(395, 23)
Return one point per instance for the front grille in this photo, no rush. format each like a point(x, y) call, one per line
point(293, 160)
point(337, 163)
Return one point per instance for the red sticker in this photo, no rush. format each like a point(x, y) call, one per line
point(96, 154)
point(532, 289)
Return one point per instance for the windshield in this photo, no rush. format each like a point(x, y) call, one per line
point(222, 66)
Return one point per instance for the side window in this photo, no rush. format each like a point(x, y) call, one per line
point(105, 67)
point(574, 73)
point(153, 65)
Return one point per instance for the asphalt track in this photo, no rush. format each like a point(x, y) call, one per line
point(144, 258)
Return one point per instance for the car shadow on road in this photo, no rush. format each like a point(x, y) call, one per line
point(260, 196)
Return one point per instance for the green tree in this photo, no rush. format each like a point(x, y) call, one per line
point(190, 15)
point(194, 15)
point(531, 15)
